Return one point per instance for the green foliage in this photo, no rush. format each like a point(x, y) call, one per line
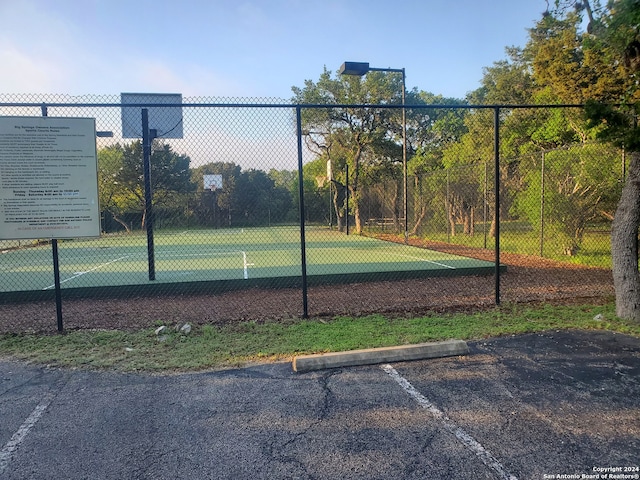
point(614, 124)
point(506, 82)
point(247, 198)
point(367, 140)
point(581, 184)
point(211, 346)
point(121, 179)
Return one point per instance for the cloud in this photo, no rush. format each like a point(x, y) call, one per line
point(188, 79)
point(28, 73)
point(38, 49)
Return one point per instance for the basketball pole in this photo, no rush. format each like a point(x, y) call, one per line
point(147, 138)
point(330, 176)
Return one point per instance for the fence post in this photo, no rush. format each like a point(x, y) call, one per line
point(147, 138)
point(346, 198)
point(447, 213)
point(496, 149)
point(485, 203)
point(303, 253)
point(542, 207)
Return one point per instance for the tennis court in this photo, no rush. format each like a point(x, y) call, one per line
point(242, 256)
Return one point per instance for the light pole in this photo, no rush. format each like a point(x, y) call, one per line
point(360, 69)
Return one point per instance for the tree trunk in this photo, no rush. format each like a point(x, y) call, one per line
point(417, 223)
point(354, 206)
point(338, 203)
point(624, 245)
point(120, 221)
point(493, 227)
point(452, 220)
point(357, 218)
point(396, 207)
point(468, 220)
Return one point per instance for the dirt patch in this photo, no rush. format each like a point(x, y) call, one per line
point(528, 279)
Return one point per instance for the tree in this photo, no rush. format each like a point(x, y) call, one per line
point(222, 204)
point(170, 176)
point(613, 39)
point(436, 129)
point(113, 197)
point(358, 137)
point(508, 81)
point(247, 198)
point(254, 204)
point(283, 207)
point(581, 183)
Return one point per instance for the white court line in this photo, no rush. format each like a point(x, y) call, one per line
point(413, 258)
point(424, 260)
point(209, 254)
point(16, 440)
point(466, 439)
point(217, 232)
point(245, 264)
point(79, 274)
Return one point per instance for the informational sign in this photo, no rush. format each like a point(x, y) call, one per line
point(48, 178)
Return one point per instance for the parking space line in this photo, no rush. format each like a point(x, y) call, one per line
point(18, 437)
point(467, 440)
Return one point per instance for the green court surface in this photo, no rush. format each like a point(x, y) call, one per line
point(242, 257)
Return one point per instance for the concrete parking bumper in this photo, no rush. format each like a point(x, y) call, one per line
point(372, 356)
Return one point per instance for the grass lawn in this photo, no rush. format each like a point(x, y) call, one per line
point(595, 250)
point(209, 347)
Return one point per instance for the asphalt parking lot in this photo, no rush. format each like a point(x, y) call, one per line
point(539, 406)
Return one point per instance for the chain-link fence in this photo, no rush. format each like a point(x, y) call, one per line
point(226, 205)
point(549, 209)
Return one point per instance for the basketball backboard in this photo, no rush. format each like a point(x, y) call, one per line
point(212, 182)
point(167, 121)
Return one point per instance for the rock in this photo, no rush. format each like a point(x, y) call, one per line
point(185, 329)
point(599, 317)
point(128, 349)
point(163, 338)
point(161, 329)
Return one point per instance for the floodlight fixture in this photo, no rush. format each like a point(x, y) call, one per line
point(354, 68)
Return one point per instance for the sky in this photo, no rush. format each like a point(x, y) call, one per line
point(250, 49)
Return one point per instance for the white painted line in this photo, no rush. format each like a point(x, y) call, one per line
point(466, 439)
point(16, 440)
point(420, 259)
point(193, 255)
point(412, 257)
point(245, 265)
point(79, 274)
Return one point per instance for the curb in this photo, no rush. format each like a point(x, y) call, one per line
point(372, 356)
